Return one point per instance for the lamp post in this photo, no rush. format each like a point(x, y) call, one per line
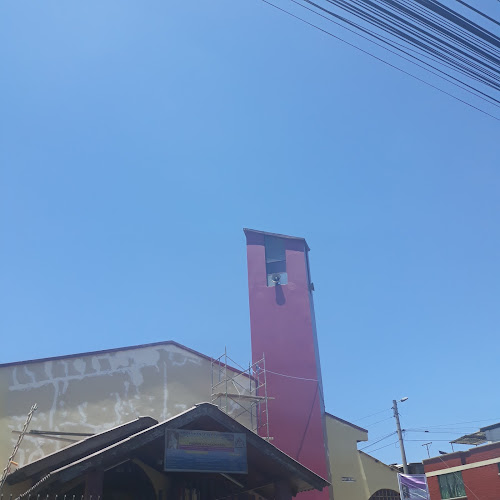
point(400, 434)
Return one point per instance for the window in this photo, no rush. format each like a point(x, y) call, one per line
point(385, 495)
point(275, 261)
point(451, 485)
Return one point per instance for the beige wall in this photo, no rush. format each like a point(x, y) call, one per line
point(97, 391)
point(379, 476)
point(346, 461)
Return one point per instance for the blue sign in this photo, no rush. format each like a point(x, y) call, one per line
point(205, 451)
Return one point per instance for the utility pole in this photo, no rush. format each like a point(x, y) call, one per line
point(400, 434)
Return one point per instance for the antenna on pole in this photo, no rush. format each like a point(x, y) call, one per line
point(427, 446)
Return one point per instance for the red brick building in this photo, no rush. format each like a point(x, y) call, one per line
point(473, 474)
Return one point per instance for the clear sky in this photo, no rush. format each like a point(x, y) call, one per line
point(137, 139)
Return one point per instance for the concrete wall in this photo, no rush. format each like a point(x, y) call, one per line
point(94, 392)
point(355, 475)
point(378, 475)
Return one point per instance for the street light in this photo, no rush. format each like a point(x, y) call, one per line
point(400, 434)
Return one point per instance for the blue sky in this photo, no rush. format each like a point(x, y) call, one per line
point(137, 140)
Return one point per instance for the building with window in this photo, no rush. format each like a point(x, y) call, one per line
point(472, 474)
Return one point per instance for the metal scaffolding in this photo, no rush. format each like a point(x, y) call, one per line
point(242, 392)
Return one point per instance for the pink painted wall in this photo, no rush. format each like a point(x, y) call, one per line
point(283, 328)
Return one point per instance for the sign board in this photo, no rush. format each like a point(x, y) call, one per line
point(413, 487)
point(348, 479)
point(205, 451)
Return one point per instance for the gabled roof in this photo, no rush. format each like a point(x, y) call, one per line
point(475, 439)
point(264, 458)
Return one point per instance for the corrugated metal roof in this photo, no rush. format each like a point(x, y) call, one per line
point(474, 439)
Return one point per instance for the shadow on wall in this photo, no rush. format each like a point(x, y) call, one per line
point(280, 296)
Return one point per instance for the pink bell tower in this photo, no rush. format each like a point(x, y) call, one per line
point(283, 328)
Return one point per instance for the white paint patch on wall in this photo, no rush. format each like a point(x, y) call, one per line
point(130, 362)
point(96, 392)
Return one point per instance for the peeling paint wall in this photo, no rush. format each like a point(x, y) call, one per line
point(95, 392)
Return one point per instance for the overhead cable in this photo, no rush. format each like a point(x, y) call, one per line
point(378, 441)
point(478, 12)
point(387, 445)
point(372, 414)
point(472, 90)
point(380, 59)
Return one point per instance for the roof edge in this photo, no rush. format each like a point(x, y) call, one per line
point(117, 433)
point(461, 453)
point(115, 349)
point(277, 235)
point(346, 422)
point(394, 469)
point(489, 427)
point(439, 458)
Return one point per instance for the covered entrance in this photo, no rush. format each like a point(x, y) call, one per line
point(136, 462)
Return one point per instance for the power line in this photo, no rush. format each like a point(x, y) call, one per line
point(424, 29)
point(436, 28)
point(372, 414)
point(378, 438)
point(379, 421)
point(402, 48)
point(434, 440)
point(460, 423)
point(478, 12)
point(378, 441)
point(376, 449)
point(434, 432)
point(379, 59)
point(291, 376)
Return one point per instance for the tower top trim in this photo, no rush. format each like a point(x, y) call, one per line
point(276, 235)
